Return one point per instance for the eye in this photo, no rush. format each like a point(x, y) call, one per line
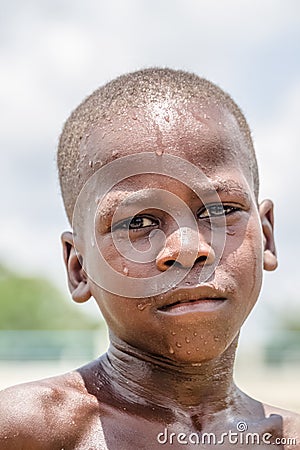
point(216, 210)
point(136, 223)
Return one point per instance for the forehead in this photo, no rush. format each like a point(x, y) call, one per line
point(206, 135)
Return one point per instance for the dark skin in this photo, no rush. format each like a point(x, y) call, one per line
point(170, 361)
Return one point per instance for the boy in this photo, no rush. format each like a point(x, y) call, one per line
point(160, 182)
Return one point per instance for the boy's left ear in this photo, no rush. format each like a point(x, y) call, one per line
point(266, 212)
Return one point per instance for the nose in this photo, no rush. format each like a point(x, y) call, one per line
point(185, 247)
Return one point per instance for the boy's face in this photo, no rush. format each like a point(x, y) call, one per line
point(214, 240)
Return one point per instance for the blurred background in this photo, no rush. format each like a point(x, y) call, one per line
point(53, 54)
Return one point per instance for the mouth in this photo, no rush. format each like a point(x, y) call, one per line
point(200, 299)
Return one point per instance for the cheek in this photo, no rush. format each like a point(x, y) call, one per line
point(133, 257)
point(115, 310)
point(106, 260)
point(251, 253)
point(128, 322)
point(245, 258)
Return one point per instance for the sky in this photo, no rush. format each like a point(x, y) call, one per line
point(54, 53)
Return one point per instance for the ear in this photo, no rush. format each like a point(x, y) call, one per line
point(267, 220)
point(77, 279)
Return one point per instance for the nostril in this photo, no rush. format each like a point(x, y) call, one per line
point(201, 259)
point(172, 263)
point(169, 262)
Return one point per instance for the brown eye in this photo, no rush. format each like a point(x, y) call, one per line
point(216, 210)
point(136, 223)
point(141, 222)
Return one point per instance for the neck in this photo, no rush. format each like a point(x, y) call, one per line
point(160, 382)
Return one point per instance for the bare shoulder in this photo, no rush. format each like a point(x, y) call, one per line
point(45, 413)
point(290, 424)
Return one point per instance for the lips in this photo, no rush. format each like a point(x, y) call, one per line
point(201, 298)
point(190, 302)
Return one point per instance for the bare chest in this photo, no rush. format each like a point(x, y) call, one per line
point(128, 433)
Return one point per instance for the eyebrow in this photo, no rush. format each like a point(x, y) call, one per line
point(134, 198)
point(128, 198)
point(228, 186)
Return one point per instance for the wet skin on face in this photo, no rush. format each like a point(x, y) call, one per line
point(210, 139)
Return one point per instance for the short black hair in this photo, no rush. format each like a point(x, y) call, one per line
point(136, 89)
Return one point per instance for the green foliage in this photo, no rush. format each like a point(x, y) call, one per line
point(291, 322)
point(284, 343)
point(36, 304)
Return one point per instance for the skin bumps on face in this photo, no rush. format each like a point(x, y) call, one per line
point(221, 281)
